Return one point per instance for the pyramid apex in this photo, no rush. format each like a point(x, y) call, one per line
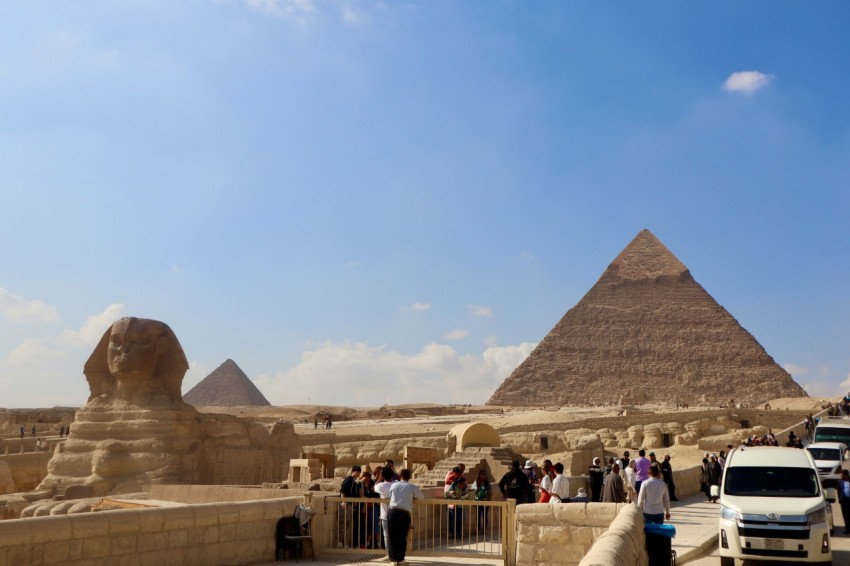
point(645, 257)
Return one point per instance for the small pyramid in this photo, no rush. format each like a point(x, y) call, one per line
point(646, 332)
point(226, 386)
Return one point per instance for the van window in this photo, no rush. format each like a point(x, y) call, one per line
point(832, 434)
point(825, 453)
point(771, 482)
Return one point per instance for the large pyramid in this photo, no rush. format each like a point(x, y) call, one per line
point(226, 386)
point(646, 332)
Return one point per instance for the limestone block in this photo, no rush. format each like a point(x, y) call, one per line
point(151, 541)
point(124, 544)
point(210, 535)
point(250, 511)
point(559, 553)
point(205, 515)
point(96, 547)
point(524, 553)
point(15, 533)
point(601, 514)
point(687, 439)
point(228, 513)
point(56, 552)
point(90, 525)
point(51, 529)
point(227, 533)
point(151, 520)
point(178, 538)
point(124, 522)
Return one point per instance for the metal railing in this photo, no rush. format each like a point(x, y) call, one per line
point(438, 527)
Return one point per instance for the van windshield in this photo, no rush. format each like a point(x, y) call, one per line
point(832, 434)
point(825, 453)
point(771, 482)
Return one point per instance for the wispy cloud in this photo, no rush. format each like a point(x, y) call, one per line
point(796, 370)
point(16, 308)
point(458, 334)
point(93, 328)
point(351, 264)
point(479, 310)
point(353, 15)
point(437, 373)
point(747, 82)
point(33, 352)
point(299, 11)
point(419, 307)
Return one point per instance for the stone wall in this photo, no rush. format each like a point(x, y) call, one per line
point(25, 470)
point(193, 494)
point(209, 535)
point(562, 534)
point(623, 544)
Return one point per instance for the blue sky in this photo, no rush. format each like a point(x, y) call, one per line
point(390, 202)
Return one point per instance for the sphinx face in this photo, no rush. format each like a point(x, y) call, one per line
point(132, 353)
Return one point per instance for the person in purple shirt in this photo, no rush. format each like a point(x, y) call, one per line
point(642, 465)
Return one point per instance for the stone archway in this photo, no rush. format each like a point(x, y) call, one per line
point(475, 434)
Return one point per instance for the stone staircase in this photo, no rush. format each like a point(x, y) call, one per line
point(496, 460)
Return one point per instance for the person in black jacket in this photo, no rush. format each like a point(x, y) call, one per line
point(596, 477)
point(514, 484)
point(667, 474)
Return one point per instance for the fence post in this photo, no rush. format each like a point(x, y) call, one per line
point(509, 532)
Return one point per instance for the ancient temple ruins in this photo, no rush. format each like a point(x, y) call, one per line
point(646, 332)
point(226, 386)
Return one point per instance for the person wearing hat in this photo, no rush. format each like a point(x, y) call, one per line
point(533, 482)
point(596, 477)
point(581, 496)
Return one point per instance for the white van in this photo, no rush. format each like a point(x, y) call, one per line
point(829, 459)
point(772, 507)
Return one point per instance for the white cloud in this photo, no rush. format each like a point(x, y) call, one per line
point(845, 385)
point(796, 370)
point(16, 308)
point(352, 15)
point(823, 388)
point(479, 310)
point(34, 353)
point(299, 11)
point(93, 328)
point(491, 341)
point(528, 256)
point(196, 372)
point(458, 334)
point(746, 82)
point(357, 374)
point(352, 264)
point(419, 307)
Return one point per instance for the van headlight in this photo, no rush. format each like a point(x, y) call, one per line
point(730, 514)
point(817, 517)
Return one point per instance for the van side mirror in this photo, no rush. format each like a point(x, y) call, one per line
point(831, 494)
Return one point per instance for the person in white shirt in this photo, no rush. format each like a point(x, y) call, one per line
point(560, 486)
point(546, 482)
point(383, 489)
point(654, 499)
point(402, 494)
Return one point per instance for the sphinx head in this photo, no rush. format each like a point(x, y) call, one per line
point(137, 360)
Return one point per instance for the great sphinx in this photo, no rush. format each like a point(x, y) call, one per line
point(135, 428)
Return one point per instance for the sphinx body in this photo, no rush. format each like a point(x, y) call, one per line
point(135, 429)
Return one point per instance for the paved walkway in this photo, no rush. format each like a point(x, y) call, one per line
point(696, 527)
